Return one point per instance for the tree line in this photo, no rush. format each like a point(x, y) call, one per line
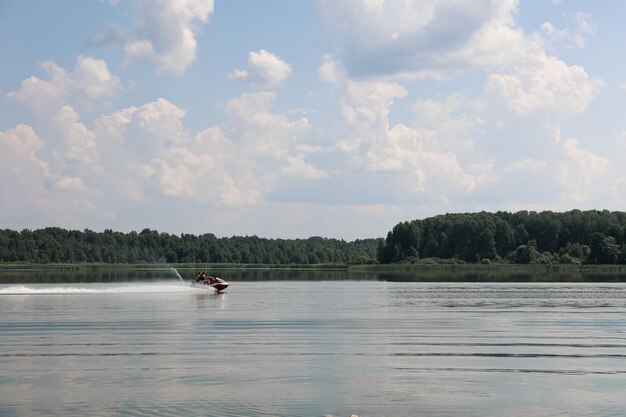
point(57, 245)
point(524, 237)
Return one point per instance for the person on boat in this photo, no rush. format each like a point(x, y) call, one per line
point(201, 276)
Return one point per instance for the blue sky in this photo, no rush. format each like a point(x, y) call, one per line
point(294, 119)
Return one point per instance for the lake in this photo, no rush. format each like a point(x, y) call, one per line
point(312, 345)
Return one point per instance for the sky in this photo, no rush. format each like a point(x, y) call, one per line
point(290, 119)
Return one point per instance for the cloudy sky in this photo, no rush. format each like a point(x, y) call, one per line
point(299, 118)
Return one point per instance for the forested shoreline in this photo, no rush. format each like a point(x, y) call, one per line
point(57, 245)
point(525, 237)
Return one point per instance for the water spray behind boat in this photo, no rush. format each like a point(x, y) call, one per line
point(178, 275)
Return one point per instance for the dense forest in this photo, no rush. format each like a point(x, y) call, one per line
point(525, 237)
point(56, 245)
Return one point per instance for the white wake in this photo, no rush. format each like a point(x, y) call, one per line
point(117, 288)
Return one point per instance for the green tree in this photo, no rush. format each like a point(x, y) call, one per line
point(604, 249)
point(486, 245)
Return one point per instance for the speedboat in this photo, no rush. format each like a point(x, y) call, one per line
point(210, 282)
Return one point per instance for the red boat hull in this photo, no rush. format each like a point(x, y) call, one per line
point(218, 286)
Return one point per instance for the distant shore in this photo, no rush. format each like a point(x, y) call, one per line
point(503, 267)
point(58, 273)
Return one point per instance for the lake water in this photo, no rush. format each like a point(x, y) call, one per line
point(313, 348)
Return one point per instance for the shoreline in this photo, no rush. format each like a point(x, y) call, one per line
point(470, 273)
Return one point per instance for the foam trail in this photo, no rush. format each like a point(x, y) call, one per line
point(134, 288)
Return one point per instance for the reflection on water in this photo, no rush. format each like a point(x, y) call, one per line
point(473, 273)
point(503, 276)
point(85, 274)
point(313, 348)
point(114, 273)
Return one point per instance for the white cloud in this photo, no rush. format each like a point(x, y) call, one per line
point(79, 140)
point(22, 173)
point(528, 165)
point(69, 183)
point(90, 83)
point(265, 146)
point(390, 150)
point(267, 134)
point(423, 160)
point(36, 192)
point(162, 120)
point(165, 32)
point(365, 109)
point(421, 38)
point(38, 95)
point(138, 155)
point(137, 145)
point(453, 119)
point(570, 38)
point(297, 167)
point(448, 151)
point(330, 70)
point(175, 181)
point(21, 140)
point(91, 78)
point(264, 69)
point(233, 164)
point(545, 83)
point(584, 175)
point(586, 25)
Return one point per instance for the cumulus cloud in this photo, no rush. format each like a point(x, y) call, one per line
point(537, 167)
point(21, 140)
point(584, 175)
point(546, 83)
point(392, 151)
point(136, 145)
point(234, 164)
point(36, 191)
point(264, 69)
point(79, 140)
point(454, 119)
point(164, 32)
point(387, 40)
point(23, 172)
point(422, 160)
point(421, 38)
point(456, 148)
point(265, 140)
point(90, 83)
point(144, 155)
point(263, 132)
point(129, 157)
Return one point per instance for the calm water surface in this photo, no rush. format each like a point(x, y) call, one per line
point(313, 348)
